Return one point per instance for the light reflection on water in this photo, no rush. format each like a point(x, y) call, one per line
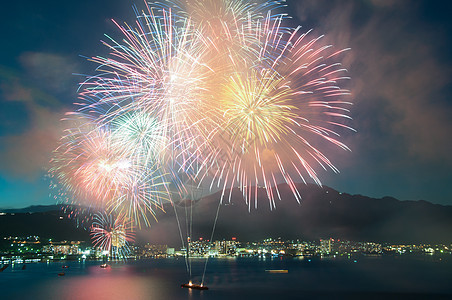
point(232, 279)
point(132, 280)
point(130, 287)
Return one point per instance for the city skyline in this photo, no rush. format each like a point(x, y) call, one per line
point(16, 247)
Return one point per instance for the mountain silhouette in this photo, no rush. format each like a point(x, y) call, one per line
point(322, 213)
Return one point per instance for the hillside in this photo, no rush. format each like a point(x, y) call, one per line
point(322, 213)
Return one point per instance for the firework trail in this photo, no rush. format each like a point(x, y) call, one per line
point(112, 234)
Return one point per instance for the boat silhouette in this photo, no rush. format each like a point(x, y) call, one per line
point(194, 286)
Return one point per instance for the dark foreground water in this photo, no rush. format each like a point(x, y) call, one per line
point(234, 279)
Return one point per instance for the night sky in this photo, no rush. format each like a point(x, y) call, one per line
point(400, 64)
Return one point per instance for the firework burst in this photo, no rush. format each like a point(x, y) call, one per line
point(276, 110)
point(98, 168)
point(112, 234)
point(220, 92)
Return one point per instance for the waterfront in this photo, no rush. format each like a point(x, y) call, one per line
point(416, 277)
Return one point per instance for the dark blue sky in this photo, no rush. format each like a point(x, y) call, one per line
point(400, 66)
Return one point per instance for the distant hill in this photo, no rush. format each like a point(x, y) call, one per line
point(48, 222)
point(33, 209)
point(322, 213)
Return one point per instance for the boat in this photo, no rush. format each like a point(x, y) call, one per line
point(24, 267)
point(194, 286)
point(103, 266)
point(61, 274)
point(65, 267)
point(277, 271)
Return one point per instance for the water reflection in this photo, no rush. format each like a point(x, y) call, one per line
point(231, 279)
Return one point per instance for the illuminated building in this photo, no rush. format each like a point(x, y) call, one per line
point(156, 251)
point(325, 246)
point(226, 247)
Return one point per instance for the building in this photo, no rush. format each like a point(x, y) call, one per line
point(155, 251)
point(326, 246)
point(226, 247)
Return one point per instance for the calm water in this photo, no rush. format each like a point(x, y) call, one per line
point(242, 278)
